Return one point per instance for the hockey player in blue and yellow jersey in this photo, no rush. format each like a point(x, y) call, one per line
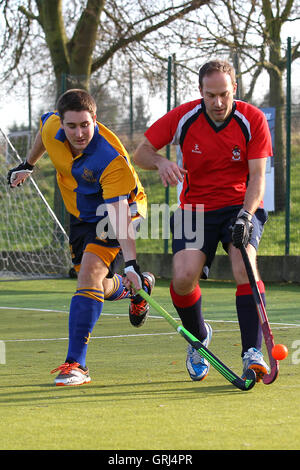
point(100, 189)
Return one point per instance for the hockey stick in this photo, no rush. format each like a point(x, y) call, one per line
point(268, 336)
point(250, 376)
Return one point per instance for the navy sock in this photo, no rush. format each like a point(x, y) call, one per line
point(189, 310)
point(85, 309)
point(250, 327)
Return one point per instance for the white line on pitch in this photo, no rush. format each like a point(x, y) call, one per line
point(125, 315)
point(92, 337)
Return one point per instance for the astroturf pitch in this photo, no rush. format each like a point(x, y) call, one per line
point(140, 397)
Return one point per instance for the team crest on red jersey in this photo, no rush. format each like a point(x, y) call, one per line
point(236, 153)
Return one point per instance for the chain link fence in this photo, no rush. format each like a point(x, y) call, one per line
point(282, 231)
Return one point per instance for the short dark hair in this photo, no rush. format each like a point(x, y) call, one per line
point(76, 100)
point(216, 66)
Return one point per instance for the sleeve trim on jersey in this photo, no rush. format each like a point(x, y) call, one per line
point(244, 124)
point(133, 209)
point(256, 157)
point(116, 199)
point(185, 123)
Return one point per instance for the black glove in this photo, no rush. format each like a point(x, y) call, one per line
point(23, 167)
point(134, 268)
point(242, 229)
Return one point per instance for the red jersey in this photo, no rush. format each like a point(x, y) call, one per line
point(216, 157)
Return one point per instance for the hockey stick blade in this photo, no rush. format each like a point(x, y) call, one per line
point(250, 376)
point(265, 325)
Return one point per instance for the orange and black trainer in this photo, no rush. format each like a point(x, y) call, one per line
point(71, 373)
point(139, 308)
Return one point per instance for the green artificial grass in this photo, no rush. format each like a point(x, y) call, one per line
point(140, 397)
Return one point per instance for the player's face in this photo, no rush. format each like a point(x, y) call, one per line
point(218, 92)
point(79, 128)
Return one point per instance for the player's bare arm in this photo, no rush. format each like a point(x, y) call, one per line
point(120, 219)
point(37, 151)
point(243, 226)
point(19, 174)
point(256, 184)
point(147, 157)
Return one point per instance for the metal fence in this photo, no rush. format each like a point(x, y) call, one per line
point(282, 231)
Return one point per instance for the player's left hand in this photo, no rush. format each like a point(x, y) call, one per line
point(133, 278)
point(242, 229)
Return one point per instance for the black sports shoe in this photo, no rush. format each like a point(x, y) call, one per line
point(139, 308)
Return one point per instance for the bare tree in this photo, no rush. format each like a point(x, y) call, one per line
point(83, 37)
point(75, 39)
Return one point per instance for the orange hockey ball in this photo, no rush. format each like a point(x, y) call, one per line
point(279, 352)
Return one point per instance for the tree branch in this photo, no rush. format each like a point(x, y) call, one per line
point(83, 41)
point(29, 15)
point(137, 37)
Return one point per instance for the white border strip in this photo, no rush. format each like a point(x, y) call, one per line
point(92, 337)
point(125, 315)
point(281, 325)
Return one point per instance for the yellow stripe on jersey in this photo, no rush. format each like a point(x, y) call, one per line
point(137, 193)
point(117, 179)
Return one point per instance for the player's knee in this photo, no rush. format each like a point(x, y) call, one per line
point(239, 273)
point(184, 281)
point(92, 271)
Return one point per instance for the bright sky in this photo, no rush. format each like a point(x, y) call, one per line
point(14, 108)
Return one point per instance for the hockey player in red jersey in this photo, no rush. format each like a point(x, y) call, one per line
point(224, 144)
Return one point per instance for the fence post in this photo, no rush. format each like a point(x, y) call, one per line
point(131, 102)
point(167, 193)
point(288, 149)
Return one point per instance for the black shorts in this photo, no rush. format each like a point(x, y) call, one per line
point(212, 228)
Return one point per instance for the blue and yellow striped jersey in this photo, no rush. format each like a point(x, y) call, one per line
point(102, 173)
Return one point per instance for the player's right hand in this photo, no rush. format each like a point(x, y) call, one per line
point(170, 173)
point(133, 278)
point(16, 176)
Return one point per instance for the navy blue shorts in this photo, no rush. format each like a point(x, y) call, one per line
point(83, 238)
point(216, 229)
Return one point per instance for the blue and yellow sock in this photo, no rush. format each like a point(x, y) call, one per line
point(85, 310)
point(118, 291)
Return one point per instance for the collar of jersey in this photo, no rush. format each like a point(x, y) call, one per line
point(224, 124)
